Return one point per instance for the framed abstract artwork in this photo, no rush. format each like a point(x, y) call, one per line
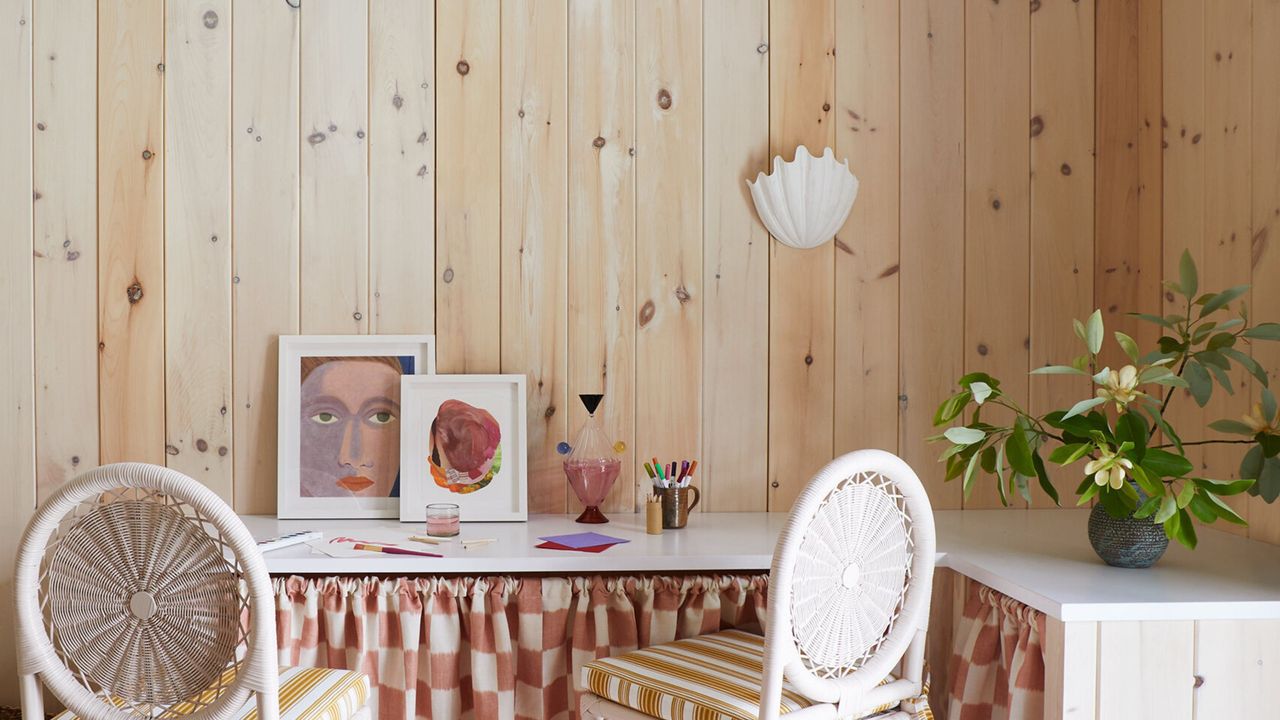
point(339, 422)
point(463, 440)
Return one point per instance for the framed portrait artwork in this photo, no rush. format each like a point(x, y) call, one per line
point(463, 440)
point(339, 422)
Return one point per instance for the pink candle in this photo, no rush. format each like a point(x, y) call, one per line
point(442, 520)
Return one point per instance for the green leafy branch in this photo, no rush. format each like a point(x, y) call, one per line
point(1115, 431)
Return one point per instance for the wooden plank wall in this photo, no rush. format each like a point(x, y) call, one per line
point(560, 191)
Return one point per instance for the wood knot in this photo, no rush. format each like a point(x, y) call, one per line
point(774, 484)
point(75, 459)
point(664, 99)
point(1197, 681)
point(826, 107)
point(170, 450)
point(316, 138)
point(448, 275)
point(520, 113)
point(359, 134)
point(808, 359)
point(357, 315)
point(159, 67)
point(982, 349)
point(1195, 139)
point(995, 203)
point(1066, 169)
point(1037, 126)
point(202, 445)
point(463, 67)
point(333, 128)
point(683, 295)
point(210, 19)
point(40, 126)
point(598, 142)
point(397, 102)
point(147, 154)
point(762, 48)
point(647, 312)
point(73, 255)
point(134, 293)
point(222, 451)
point(549, 412)
point(1035, 5)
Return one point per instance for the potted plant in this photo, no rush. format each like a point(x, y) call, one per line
point(1134, 462)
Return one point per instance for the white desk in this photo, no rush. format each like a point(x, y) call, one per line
point(1040, 557)
point(1199, 630)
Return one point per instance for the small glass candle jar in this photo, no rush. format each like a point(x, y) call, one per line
point(442, 520)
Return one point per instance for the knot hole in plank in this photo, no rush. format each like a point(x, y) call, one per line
point(664, 99)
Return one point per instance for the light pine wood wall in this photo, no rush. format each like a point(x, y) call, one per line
point(555, 187)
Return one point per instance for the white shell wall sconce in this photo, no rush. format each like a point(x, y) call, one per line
point(804, 202)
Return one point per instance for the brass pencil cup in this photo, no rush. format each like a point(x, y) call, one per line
point(676, 505)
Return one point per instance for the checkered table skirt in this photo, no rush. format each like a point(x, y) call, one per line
point(997, 668)
point(496, 647)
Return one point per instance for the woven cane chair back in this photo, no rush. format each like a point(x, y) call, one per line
point(852, 575)
point(140, 594)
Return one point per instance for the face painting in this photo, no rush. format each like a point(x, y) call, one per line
point(465, 450)
point(350, 427)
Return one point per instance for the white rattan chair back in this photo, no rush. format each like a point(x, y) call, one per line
point(141, 594)
point(850, 585)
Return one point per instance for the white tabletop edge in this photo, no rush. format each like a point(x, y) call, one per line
point(1038, 557)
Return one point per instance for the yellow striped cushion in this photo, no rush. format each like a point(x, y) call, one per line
point(305, 694)
point(709, 677)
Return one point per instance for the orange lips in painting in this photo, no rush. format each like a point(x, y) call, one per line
point(355, 483)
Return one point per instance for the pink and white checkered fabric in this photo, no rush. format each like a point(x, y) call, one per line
point(496, 647)
point(997, 668)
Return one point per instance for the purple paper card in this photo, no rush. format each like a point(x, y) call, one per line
point(584, 539)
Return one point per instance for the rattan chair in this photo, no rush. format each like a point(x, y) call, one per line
point(140, 594)
point(848, 608)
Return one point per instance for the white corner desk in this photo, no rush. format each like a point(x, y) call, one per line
point(1197, 636)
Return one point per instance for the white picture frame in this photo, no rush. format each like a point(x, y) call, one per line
point(505, 496)
point(291, 503)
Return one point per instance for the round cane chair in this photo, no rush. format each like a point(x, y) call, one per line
point(140, 594)
point(849, 591)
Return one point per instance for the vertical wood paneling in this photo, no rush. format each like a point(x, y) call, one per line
point(535, 230)
point(735, 273)
point(131, 292)
point(669, 228)
point(265, 189)
point(801, 282)
point(402, 166)
point(602, 319)
point(866, 257)
point(1154, 656)
point(17, 412)
point(1125, 267)
point(66, 240)
point(1184, 191)
point(468, 185)
point(997, 203)
point(1227, 206)
point(1062, 202)
point(1237, 661)
point(1070, 670)
point(1150, 167)
point(1264, 519)
point(197, 234)
point(335, 158)
point(931, 337)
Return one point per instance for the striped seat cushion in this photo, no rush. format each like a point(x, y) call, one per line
point(709, 677)
point(305, 694)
